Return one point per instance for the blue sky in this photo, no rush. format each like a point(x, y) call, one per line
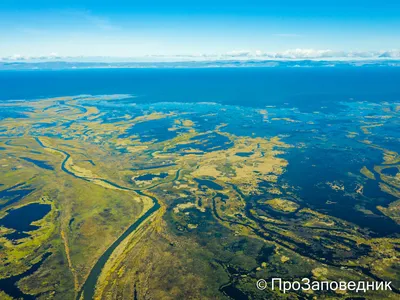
point(139, 28)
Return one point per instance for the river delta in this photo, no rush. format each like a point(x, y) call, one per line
point(104, 197)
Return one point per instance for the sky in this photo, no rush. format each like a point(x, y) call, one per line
point(207, 28)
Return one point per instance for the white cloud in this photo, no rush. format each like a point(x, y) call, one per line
point(238, 53)
point(18, 57)
point(316, 54)
point(243, 55)
point(304, 53)
point(391, 54)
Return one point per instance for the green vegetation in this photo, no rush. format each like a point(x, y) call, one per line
point(225, 220)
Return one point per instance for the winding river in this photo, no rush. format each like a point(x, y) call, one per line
point(88, 288)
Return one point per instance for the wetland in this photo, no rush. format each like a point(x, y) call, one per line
point(112, 197)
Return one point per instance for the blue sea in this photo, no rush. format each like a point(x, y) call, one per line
point(305, 88)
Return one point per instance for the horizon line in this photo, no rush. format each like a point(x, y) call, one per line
point(241, 55)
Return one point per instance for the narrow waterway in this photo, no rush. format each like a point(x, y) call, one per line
point(88, 288)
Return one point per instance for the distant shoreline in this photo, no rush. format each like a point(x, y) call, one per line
point(43, 65)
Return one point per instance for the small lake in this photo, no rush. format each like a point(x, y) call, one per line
point(151, 176)
point(21, 218)
point(40, 163)
point(244, 154)
point(208, 183)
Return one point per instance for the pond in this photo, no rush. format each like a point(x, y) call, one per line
point(40, 163)
point(20, 219)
